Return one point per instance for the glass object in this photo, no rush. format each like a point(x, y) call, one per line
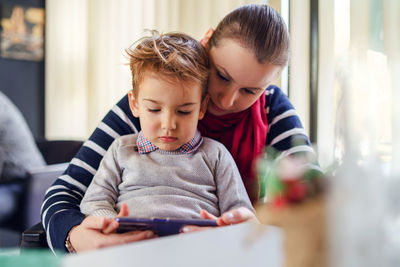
point(364, 206)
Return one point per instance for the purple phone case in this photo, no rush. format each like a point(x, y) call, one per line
point(161, 227)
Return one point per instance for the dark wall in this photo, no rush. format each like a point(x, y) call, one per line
point(23, 81)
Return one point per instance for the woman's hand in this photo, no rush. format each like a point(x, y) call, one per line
point(97, 232)
point(88, 235)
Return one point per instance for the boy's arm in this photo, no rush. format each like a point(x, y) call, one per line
point(101, 196)
point(60, 210)
point(230, 188)
point(234, 203)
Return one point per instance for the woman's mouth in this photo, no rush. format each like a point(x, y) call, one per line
point(216, 108)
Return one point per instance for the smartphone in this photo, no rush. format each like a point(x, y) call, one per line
point(161, 227)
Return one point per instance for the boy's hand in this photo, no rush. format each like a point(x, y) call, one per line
point(234, 216)
point(113, 225)
point(230, 217)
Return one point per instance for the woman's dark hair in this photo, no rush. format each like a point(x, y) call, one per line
point(259, 28)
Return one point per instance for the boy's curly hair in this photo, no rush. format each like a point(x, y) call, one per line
point(174, 55)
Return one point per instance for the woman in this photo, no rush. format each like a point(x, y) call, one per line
point(248, 49)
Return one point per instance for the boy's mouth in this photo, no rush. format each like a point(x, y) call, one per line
point(168, 139)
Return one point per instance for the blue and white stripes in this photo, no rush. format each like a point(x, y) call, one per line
point(65, 195)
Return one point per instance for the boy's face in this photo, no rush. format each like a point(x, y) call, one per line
point(168, 110)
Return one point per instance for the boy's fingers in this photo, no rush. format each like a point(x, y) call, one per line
point(96, 222)
point(206, 215)
point(124, 211)
point(194, 228)
point(112, 227)
point(236, 216)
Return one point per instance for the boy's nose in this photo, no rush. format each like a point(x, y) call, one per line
point(168, 122)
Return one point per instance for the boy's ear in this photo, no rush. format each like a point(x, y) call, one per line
point(203, 106)
point(133, 104)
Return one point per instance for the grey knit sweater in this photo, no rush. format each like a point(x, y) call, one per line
point(165, 184)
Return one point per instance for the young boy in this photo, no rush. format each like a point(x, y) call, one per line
point(168, 169)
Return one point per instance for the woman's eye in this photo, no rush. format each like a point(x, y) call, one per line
point(153, 110)
point(248, 91)
point(222, 77)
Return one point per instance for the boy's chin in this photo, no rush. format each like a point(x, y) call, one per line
point(168, 147)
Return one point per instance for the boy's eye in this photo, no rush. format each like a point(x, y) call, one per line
point(182, 112)
point(222, 77)
point(153, 110)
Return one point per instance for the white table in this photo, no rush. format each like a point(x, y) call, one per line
point(243, 245)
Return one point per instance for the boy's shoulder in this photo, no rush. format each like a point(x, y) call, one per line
point(211, 142)
point(212, 151)
point(210, 145)
point(125, 141)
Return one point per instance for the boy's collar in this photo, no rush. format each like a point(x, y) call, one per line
point(145, 146)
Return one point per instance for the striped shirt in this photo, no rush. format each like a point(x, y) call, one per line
point(60, 209)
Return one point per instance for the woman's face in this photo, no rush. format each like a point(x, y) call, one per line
point(236, 80)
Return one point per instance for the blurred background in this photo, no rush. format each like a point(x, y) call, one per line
point(83, 70)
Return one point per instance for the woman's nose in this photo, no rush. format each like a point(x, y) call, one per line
point(228, 98)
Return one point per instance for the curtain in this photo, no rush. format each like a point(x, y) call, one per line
point(86, 68)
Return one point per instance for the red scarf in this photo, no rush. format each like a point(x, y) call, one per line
point(244, 135)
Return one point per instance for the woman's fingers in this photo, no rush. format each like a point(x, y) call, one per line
point(88, 235)
point(125, 238)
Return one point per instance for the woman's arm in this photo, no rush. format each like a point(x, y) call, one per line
point(101, 196)
point(60, 210)
point(285, 131)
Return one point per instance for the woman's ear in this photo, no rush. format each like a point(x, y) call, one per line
point(207, 37)
point(133, 104)
point(203, 107)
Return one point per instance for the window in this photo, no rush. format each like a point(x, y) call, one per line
point(357, 81)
